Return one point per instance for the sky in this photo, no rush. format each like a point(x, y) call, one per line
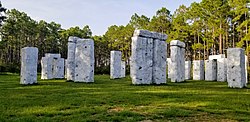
point(98, 14)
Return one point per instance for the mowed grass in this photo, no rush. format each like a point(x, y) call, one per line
point(119, 100)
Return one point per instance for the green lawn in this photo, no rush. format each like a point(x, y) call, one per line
point(119, 100)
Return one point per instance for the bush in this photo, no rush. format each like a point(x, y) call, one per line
point(102, 70)
point(12, 68)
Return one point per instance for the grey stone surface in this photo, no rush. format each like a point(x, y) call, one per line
point(58, 68)
point(222, 69)
point(177, 61)
point(29, 59)
point(115, 64)
point(198, 70)
point(236, 74)
point(141, 64)
point(65, 68)
point(159, 62)
point(246, 62)
point(177, 43)
point(46, 63)
point(71, 58)
point(84, 60)
point(149, 34)
point(123, 69)
point(211, 70)
point(211, 57)
point(188, 70)
point(169, 67)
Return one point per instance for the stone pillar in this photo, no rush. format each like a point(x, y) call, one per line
point(84, 60)
point(187, 70)
point(246, 62)
point(222, 69)
point(65, 68)
point(46, 63)
point(148, 59)
point(198, 70)
point(211, 70)
point(236, 73)
point(58, 68)
point(71, 58)
point(123, 69)
point(29, 58)
point(141, 60)
point(115, 64)
point(159, 60)
point(178, 61)
point(169, 67)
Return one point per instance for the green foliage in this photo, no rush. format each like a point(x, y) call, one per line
point(118, 100)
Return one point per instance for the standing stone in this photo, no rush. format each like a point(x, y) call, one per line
point(46, 63)
point(84, 60)
point(246, 62)
point(123, 69)
point(169, 67)
point(187, 70)
point(236, 73)
point(178, 61)
point(29, 58)
point(115, 64)
point(159, 61)
point(141, 60)
point(198, 70)
point(222, 69)
point(58, 65)
point(65, 68)
point(211, 70)
point(71, 58)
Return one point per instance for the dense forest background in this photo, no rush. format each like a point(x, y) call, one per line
point(208, 27)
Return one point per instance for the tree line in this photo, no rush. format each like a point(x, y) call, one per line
point(208, 27)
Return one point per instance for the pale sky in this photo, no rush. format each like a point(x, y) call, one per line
point(98, 14)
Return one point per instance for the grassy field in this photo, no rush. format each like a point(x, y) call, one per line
point(119, 100)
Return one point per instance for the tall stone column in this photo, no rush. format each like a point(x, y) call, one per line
point(115, 64)
point(222, 69)
point(29, 58)
point(58, 68)
point(177, 60)
point(211, 70)
point(236, 74)
point(84, 60)
point(198, 70)
point(159, 60)
point(187, 70)
point(46, 63)
point(123, 69)
point(71, 58)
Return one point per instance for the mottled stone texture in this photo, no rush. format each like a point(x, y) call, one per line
point(148, 59)
point(141, 60)
point(222, 69)
point(211, 57)
point(71, 58)
point(84, 60)
point(58, 67)
point(198, 70)
point(187, 70)
point(29, 58)
point(236, 74)
point(115, 64)
point(159, 62)
point(178, 61)
point(169, 67)
point(246, 62)
point(123, 69)
point(211, 70)
point(52, 66)
point(46, 64)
